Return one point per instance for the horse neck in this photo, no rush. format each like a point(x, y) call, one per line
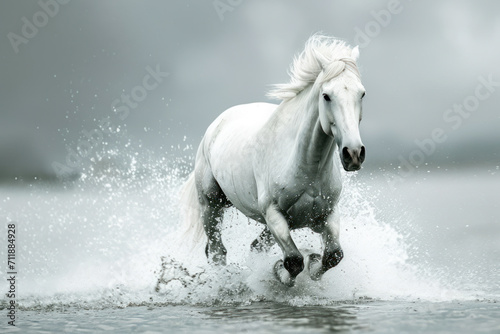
point(313, 148)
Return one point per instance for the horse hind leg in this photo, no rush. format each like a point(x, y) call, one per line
point(263, 242)
point(212, 221)
point(213, 203)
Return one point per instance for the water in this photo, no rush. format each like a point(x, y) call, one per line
point(270, 317)
point(103, 254)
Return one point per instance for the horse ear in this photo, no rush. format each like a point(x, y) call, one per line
point(355, 52)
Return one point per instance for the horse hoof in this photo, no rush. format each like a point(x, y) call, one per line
point(219, 260)
point(294, 265)
point(282, 274)
point(314, 266)
point(216, 258)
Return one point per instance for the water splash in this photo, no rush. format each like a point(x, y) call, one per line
point(110, 239)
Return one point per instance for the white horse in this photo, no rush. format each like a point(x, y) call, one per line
point(277, 163)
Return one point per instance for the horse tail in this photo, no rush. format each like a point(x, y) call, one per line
point(192, 222)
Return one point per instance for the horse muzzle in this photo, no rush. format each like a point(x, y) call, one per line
point(352, 158)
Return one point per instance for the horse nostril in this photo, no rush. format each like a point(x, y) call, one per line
point(362, 154)
point(346, 155)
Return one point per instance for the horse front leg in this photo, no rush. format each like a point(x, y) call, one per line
point(286, 270)
point(332, 253)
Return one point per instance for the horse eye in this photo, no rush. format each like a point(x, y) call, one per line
point(363, 94)
point(326, 97)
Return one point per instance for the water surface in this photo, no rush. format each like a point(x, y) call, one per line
point(104, 254)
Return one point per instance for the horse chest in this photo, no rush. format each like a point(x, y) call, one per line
point(312, 206)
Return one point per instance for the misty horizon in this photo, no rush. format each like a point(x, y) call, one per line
point(75, 73)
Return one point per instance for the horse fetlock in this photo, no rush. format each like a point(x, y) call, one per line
point(294, 264)
point(332, 258)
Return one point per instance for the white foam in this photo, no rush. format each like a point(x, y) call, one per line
point(101, 244)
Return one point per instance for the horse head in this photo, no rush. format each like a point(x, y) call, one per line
point(340, 108)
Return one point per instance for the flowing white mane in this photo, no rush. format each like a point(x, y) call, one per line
point(321, 54)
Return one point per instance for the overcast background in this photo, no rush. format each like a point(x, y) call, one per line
point(418, 63)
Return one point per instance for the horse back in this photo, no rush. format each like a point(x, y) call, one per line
point(226, 152)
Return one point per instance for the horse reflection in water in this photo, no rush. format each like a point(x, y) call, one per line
point(281, 164)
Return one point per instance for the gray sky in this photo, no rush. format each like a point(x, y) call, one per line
point(418, 59)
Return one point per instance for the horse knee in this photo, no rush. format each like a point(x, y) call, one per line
point(332, 258)
point(294, 264)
